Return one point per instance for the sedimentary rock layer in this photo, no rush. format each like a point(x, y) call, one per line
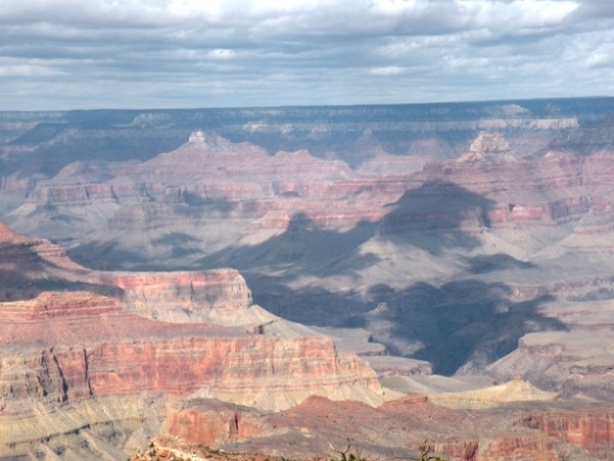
point(517, 432)
point(63, 348)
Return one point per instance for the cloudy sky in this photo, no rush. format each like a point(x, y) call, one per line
point(65, 54)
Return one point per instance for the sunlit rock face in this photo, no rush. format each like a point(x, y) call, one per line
point(90, 340)
point(521, 431)
point(472, 241)
point(489, 147)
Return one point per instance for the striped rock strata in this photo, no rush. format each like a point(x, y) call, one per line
point(62, 349)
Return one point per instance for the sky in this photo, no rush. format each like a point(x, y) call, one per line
point(87, 54)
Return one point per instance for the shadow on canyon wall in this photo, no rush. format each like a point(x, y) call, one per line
point(110, 255)
point(24, 275)
point(459, 322)
point(304, 248)
point(435, 216)
point(198, 205)
point(483, 264)
point(59, 144)
point(466, 323)
point(311, 305)
point(583, 141)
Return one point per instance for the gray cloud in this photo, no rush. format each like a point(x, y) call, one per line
point(189, 53)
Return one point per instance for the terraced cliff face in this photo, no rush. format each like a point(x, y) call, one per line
point(182, 296)
point(483, 217)
point(525, 432)
point(257, 371)
point(475, 239)
point(185, 206)
point(312, 233)
point(64, 349)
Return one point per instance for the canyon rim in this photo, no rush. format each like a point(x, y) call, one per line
point(273, 281)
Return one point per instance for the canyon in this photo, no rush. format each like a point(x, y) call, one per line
point(433, 268)
point(81, 345)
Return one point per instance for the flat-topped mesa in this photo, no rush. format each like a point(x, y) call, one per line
point(48, 305)
point(181, 296)
point(489, 147)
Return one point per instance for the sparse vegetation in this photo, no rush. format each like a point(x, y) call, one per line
point(426, 454)
point(189, 452)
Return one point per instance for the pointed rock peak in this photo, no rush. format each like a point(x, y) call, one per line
point(490, 147)
point(367, 137)
point(489, 143)
point(209, 141)
point(197, 137)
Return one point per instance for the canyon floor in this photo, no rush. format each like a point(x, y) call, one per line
point(275, 281)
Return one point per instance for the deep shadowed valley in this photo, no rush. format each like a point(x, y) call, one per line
point(275, 280)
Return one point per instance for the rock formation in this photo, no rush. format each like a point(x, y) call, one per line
point(470, 240)
point(516, 432)
point(296, 223)
point(61, 349)
point(489, 147)
point(516, 390)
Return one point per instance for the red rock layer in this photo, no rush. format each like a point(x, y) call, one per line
point(212, 290)
point(49, 305)
point(589, 428)
point(397, 428)
point(211, 423)
point(244, 182)
point(70, 347)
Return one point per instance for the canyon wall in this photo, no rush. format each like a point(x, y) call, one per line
point(472, 238)
point(63, 349)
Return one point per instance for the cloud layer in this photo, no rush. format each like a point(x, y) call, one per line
point(59, 54)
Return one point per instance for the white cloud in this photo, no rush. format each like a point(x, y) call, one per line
point(26, 68)
point(304, 51)
point(221, 54)
point(599, 58)
point(520, 14)
point(386, 71)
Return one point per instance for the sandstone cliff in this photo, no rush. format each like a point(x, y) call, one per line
point(516, 432)
point(354, 217)
point(182, 296)
point(64, 348)
point(489, 147)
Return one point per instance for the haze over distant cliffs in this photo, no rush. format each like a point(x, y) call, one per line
point(249, 254)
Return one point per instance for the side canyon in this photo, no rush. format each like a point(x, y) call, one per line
point(277, 280)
